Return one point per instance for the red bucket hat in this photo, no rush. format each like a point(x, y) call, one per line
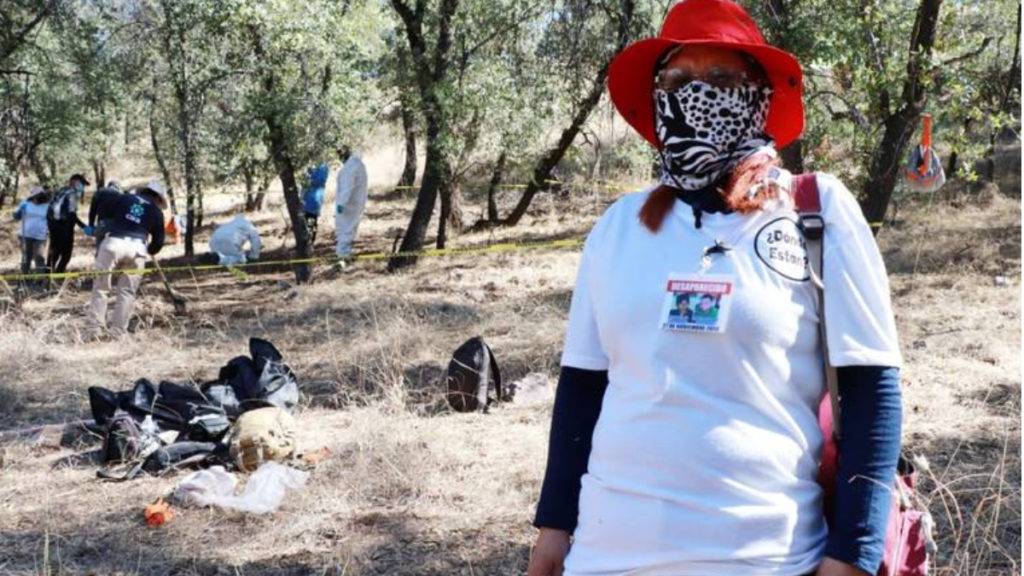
point(717, 23)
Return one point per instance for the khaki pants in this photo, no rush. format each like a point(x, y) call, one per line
point(116, 254)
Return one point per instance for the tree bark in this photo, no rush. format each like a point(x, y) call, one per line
point(547, 162)
point(409, 128)
point(285, 166)
point(431, 74)
point(154, 142)
point(887, 157)
point(492, 187)
point(99, 173)
point(542, 170)
point(435, 171)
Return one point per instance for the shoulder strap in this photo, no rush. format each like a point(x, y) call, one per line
point(807, 200)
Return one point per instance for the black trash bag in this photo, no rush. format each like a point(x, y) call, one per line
point(240, 374)
point(262, 351)
point(125, 440)
point(472, 374)
point(103, 404)
point(257, 382)
point(145, 399)
point(224, 396)
point(178, 455)
point(209, 426)
point(278, 386)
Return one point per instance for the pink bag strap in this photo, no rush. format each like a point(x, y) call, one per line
point(807, 200)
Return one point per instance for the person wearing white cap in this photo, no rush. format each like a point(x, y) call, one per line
point(229, 239)
point(349, 200)
point(32, 215)
point(130, 220)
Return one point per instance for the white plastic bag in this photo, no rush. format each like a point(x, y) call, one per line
point(262, 494)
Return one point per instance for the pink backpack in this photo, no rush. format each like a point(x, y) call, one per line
point(908, 542)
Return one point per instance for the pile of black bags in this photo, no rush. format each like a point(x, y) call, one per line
point(136, 423)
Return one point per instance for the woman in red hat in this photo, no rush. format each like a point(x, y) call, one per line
point(689, 445)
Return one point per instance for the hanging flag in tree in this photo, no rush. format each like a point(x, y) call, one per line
point(923, 172)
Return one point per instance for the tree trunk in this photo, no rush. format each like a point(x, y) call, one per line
point(199, 201)
point(154, 142)
point(451, 212)
point(47, 178)
point(952, 164)
point(430, 78)
point(191, 185)
point(250, 185)
point(436, 170)
point(492, 187)
point(262, 194)
point(99, 173)
point(899, 126)
point(409, 128)
point(279, 153)
point(547, 162)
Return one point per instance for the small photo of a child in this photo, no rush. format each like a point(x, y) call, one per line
point(707, 309)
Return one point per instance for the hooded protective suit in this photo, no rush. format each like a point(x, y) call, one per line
point(349, 202)
point(228, 241)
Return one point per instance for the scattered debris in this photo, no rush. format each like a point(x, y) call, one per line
point(316, 456)
point(534, 388)
point(263, 493)
point(158, 513)
point(158, 428)
point(1001, 281)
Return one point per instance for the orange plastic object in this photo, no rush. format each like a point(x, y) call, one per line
point(926, 144)
point(171, 229)
point(158, 513)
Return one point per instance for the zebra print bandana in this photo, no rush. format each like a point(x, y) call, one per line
point(706, 131)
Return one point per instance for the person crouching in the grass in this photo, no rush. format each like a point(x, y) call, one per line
point(681, 448)
point(228, 241)
point(32, 214)
point(130, 220)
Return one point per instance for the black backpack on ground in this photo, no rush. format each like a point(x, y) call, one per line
point(472, 373)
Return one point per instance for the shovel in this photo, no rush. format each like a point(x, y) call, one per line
point(177, 299)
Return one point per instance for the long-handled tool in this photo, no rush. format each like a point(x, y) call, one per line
point(179, 301)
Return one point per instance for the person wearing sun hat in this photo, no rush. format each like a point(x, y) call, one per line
point(692, 448)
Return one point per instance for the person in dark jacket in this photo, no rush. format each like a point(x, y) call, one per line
point(134, 227)
point(61, 219)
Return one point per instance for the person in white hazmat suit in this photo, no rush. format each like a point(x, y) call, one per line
point(349, 201)
point(229, 239)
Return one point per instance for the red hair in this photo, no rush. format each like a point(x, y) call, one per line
point(751, 172)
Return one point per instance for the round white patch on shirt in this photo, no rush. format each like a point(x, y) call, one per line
point(781, 246)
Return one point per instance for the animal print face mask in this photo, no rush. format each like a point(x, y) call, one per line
point(706, 131)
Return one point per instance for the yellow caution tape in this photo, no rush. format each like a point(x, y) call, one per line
point(237, 271)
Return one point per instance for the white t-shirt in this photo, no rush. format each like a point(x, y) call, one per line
point(705, 456)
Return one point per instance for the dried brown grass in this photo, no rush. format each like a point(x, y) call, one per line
point(411, 488)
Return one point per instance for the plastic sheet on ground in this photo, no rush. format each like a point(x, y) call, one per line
point(263, 493)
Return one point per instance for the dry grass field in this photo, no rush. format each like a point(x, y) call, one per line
point(412, 488)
